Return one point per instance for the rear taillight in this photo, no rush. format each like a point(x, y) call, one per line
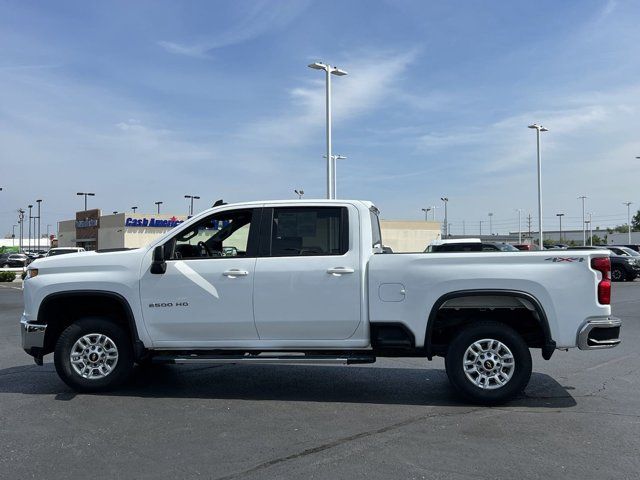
point(603, 265)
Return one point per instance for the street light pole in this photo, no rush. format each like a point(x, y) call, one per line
point(446, 217)
point(30, 217)
point(134, 209)
point(490, 224)
point(628, 204)
point(191, 198)
point(519, 210)
point(584, 225)
point(539, 128)
point(13, 235)
point(335, 159)
point(560, 215)
point(590, 230)
point(86, 194)
point(21, 222)
point(38, 202)
point(426, 213)
point(158, 205)
point(329, 70)
point(481, 227)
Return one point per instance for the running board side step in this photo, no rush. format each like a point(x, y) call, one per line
point(266, 359)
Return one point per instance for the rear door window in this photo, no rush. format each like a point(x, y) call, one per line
point(307, 231)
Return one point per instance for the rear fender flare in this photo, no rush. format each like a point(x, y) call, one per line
point(549, 345)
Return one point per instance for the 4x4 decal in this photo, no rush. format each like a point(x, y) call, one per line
point(564, 259)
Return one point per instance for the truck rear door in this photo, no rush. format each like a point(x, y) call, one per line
point(307, 282)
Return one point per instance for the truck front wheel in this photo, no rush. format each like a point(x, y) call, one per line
point(488, 363)
point(93, 354)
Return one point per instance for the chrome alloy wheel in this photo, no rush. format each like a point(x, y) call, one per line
point(488, 364)
point(94, 356)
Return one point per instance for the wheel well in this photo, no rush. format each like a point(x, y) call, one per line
point(519, 311)
point(58, 311)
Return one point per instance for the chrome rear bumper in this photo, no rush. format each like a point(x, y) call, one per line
point(599, 333)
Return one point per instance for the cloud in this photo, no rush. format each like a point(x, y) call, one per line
point(369, 82)
point(258, 20)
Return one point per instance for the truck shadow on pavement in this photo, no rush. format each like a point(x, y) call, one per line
point(374, 385)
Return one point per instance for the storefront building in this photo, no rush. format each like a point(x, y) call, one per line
point(94, 231)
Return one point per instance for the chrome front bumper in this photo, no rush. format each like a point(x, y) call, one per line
point(599, 333)
point(32, 337)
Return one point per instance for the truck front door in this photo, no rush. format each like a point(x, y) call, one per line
point(307, 280)
point(205, 295)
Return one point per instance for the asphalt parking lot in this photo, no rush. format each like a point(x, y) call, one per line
point(579, 418)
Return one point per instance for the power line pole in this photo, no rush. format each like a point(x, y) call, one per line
point(529, 225)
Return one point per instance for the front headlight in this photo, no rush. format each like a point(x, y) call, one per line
point(31, 272)
point(631, 261)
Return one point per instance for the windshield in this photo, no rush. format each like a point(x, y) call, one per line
point(629, 251)
point(61, 252)
point(506, 247)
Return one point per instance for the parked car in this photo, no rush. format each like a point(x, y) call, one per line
point(14, 260)
point(64, 250)
point(633, 246)
point(623, 267)
point(309, 284)
point(557, 246)
point(469, 245)
point(624, 251)
point(527, 247)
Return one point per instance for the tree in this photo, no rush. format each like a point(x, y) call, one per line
point(635, 221)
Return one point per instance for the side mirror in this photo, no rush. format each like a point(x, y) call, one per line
point(158, 265)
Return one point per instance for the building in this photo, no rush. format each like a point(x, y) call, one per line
point(409, 235)
point(13, 244)
point(92, 230)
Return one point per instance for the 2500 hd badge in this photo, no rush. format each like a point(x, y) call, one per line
point(169, 304)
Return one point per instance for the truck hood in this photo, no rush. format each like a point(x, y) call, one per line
point(90, 260)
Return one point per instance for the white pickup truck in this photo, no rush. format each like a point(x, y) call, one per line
point(307, 281)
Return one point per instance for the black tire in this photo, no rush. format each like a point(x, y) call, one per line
point(618, 274)
point(121, 368)
point(494, 394)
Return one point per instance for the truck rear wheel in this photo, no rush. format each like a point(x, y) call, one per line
point(488, 363)
point(93, 354)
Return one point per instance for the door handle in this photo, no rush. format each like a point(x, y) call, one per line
point(234, 272)
point(340, 270)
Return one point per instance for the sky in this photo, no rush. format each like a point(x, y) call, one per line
point(148, 101)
